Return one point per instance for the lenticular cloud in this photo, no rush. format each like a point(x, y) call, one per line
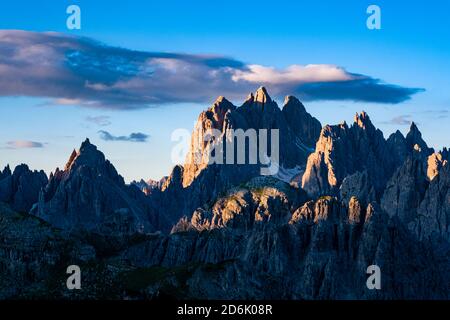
point(82, 71)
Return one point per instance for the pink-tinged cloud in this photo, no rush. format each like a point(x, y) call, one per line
point(80, 71)
point(293, 74)
point(23, 144)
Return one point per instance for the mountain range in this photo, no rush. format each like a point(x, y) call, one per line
point(344, 198)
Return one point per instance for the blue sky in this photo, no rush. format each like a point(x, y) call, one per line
point(411, 51)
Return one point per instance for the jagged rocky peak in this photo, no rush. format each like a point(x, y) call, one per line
point(259, 100)
point(148, 187)
point(87, 154)
point(72, 157)
point(291, 101)
point(397, 136)
point(362, 120)
point(218, 110)
point(296, 129)
point(445, 153)
point(414, 137)
point(435, 163)
point(202, 136)
point(90, 195)
point(398, 146)
point(342, 151)
point(21, 188)
point(406, 188)
point(261, 96)
point(305, 126)
point(6, 172)
point(323, 173)
point(433, 215)
point(175, 180)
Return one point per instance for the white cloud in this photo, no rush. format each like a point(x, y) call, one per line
point(293, 74)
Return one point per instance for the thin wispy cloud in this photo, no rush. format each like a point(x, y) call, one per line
point(402, 120)
point(23, 144)
point(438, 114)
point(80, 71)
point(133, 137)
point(101, 121)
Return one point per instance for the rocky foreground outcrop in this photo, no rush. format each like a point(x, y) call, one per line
point(320, 251)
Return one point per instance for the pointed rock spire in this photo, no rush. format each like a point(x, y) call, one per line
point(262, 96)
point(398, 146)
point(220, 107)
point(293, 102)
point(87, 145)
point(250, 98)
point(88, 154)
point(306, 127)
point(362, 120)
point(72, 157)
point(6, 172)
point(413, 127)
point(414, 137)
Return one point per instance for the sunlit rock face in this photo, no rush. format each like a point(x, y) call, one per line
point(298, 129)
point(202, 180)
point(435, 163)
point(432, 222)
point(198, 156)
point(341, 151)
point(260, 200)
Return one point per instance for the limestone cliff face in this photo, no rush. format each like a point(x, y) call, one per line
point(298, 130)
point(358, 185)
point(406, 188)
point(202, 181)
point(90, 195)
point(433, 215)
point(358, 157)
point(435, 163)
point(320, 251)
point(341, 151)
point(21, 188)
point(304, 126)
point(261, 200)
point(418, 195)
point(199, 152)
